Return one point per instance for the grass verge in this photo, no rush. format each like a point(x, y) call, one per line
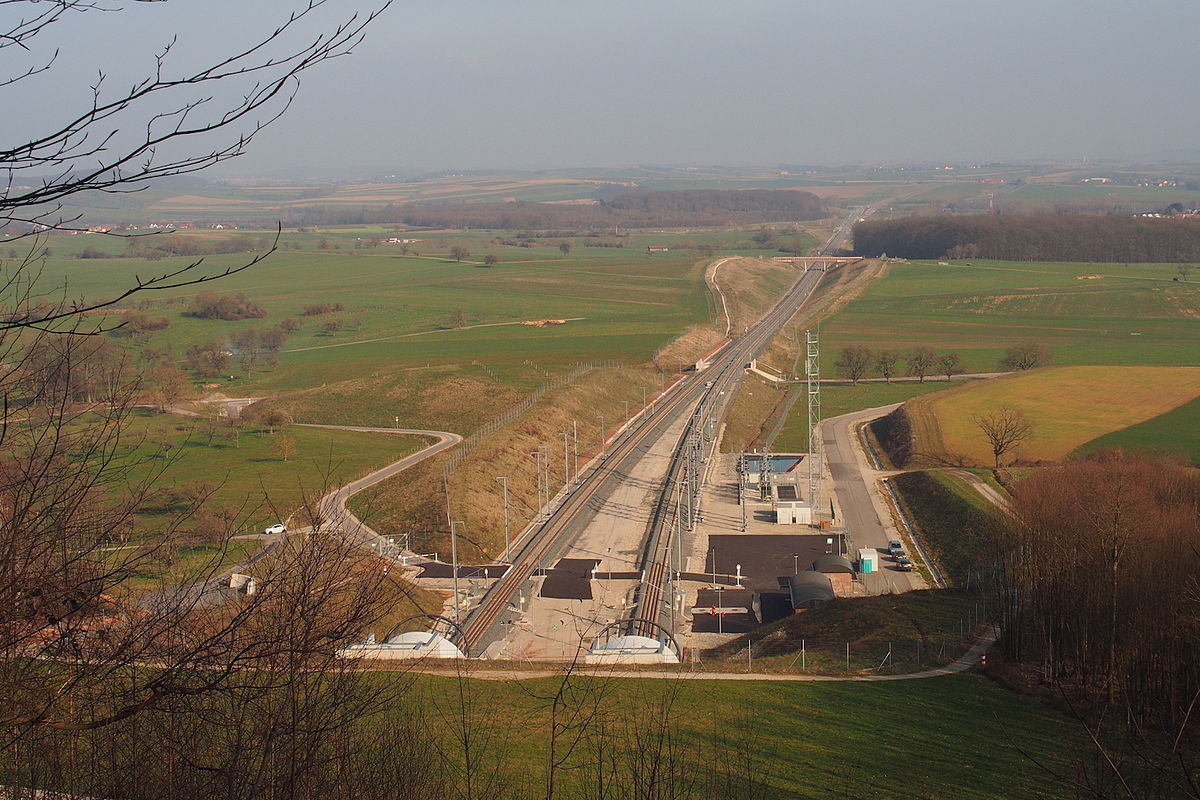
point(953, 521)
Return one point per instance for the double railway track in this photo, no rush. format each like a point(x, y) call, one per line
point(703, 397)
point(649, 611)
point(545, 537)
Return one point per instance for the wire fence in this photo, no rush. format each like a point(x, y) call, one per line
point(775, 652)
point(491, 426)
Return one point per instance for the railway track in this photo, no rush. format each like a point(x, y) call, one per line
point(549, 533)
point(704, 396)
point(649, 611)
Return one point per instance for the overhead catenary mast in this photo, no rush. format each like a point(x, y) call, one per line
point(812, 371)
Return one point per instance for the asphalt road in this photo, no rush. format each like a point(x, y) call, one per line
point(333, 505)
point(857, 507)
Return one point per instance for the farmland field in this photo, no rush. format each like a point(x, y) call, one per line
point(397, 311)
point(1104, 194)
point(1084, 313)
point(1068, 406)
point(1176, 432)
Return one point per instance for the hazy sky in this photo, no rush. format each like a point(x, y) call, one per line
point(533, 83)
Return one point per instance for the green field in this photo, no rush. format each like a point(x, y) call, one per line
point(1176, 432)
point(1104, 194)
point(1067, 406)
point(960, 736)
point(244, 468)
point(405, 326)
point(1133, 314)
point(623, 306)
point(838, 399)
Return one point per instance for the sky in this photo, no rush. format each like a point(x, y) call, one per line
point(526, 84)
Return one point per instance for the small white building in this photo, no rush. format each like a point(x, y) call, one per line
point(793, 512)
point(631, 650)
point(410, 645)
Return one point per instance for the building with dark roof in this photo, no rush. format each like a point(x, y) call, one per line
point(809, 589)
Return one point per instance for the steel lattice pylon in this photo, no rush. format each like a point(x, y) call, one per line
point(812, 371)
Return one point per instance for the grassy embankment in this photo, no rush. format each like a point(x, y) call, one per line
point(955, 523)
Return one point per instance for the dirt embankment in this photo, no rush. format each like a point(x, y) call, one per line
point(688, 348)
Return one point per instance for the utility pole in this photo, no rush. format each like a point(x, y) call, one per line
point(538, 455)
point(600, 435)
point(575, 436)
point(812, 372)
point(504, 481)
point(545, 451)
point(454, 562)
point(566, 459)
point(643, 398)
point(720, 611)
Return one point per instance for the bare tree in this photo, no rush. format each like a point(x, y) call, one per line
point(249, 347)
point(84, 647)
point(1184, 270)
point(458, 252)
point(921, 362)
point(285, 445)
point(854, 362)
point(949, 364)
point(1025, 355)
point(885, 363)
point(171, 121)
point(1005, 429)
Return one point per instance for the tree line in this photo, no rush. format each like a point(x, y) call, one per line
point(854, 363)
point(1040, 237)
point(675, 209)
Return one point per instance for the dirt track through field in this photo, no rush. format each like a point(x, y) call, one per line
point(418, 333)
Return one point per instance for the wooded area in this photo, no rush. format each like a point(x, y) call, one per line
point(1099, 597)
point(1045, 237)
